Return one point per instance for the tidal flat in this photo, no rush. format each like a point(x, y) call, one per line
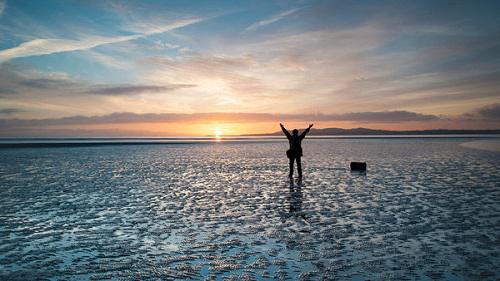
point(426, 209)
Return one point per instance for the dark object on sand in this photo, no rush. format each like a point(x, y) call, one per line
point(358, 166)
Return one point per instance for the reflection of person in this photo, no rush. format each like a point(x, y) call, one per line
point(295, 151)
point(295, 200)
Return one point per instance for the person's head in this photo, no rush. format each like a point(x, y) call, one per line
point(295, 132)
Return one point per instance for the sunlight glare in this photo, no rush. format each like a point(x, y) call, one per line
point(218, 134)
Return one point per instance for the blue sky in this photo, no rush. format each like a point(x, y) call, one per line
point(428, 64)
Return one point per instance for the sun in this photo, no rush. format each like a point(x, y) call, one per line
point(218, 134)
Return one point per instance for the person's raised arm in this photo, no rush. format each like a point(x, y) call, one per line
point(285, 131)
point(303, 135)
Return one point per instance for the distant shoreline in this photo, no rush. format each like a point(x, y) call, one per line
point(374, 132)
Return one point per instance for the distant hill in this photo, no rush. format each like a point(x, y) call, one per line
point(368, 132)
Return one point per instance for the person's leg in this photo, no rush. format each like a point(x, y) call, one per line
point(291, 167)
point(299, 167)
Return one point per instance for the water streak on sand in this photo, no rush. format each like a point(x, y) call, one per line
point(490, 144)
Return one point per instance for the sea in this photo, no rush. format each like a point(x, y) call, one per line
point(426, 208)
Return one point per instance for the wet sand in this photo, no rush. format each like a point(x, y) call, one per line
point(425, 209)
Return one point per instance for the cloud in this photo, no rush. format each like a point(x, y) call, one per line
point(16, 81)
point(46, 83)
point(115, 62)
point(385, 116)
point(40, 46)
point(333, 57)
point(6, 91)
point(487, 113)
point(58, 84)
point(270, 20)
point(159, 44)
point(79, 132)
point(223, 82)
point(9, 111)
point(196, 61)
point(122, 90)
point(127, 117)
point(490, 111)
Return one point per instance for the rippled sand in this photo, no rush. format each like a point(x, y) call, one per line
point(426, 209)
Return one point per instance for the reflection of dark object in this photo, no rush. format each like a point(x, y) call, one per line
point(358, 166)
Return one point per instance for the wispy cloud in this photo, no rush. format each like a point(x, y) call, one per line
point(107, 60)
point(6, 91)
point(2, 7)
point(16, 82)
point(50, 46)
point(46, 83)
point(384, 116)
point(123, 90)
point(9, 111)
point(270, 20)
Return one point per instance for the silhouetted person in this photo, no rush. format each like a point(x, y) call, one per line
point(295, 151)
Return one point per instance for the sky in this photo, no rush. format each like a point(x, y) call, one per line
point(195, 68)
